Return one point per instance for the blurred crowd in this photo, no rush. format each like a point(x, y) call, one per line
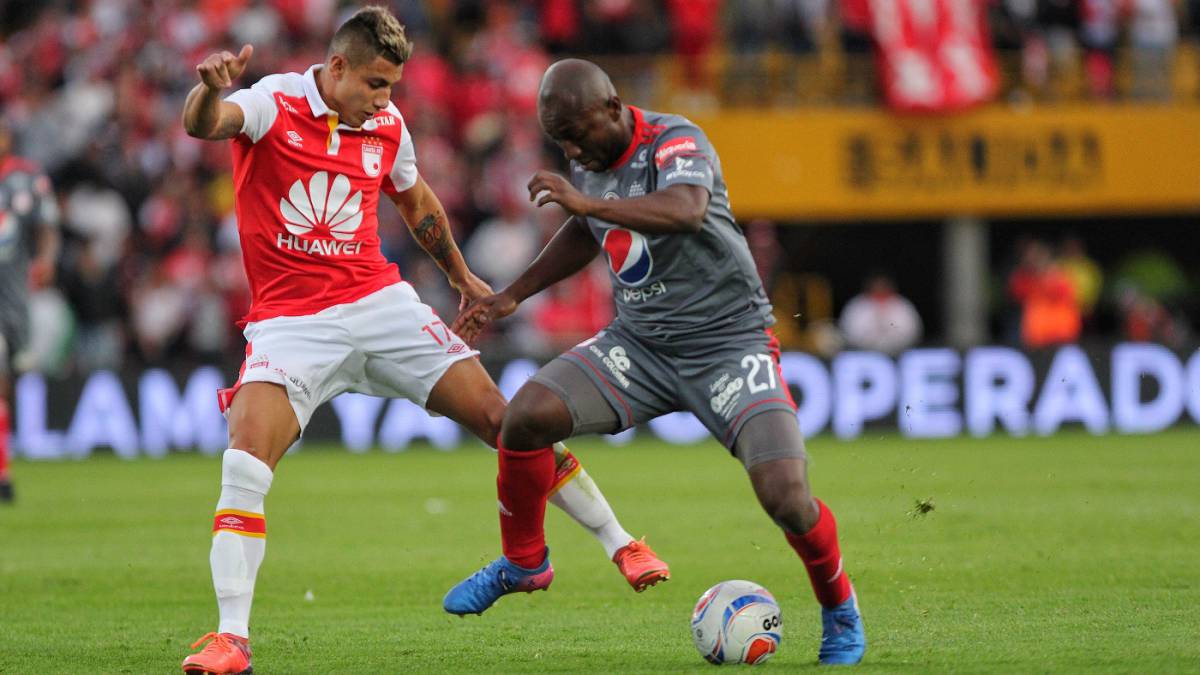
point(1044, 292)
point(1059, 42)
point(150, 269)
point(1045, 49)
point(1058, 294)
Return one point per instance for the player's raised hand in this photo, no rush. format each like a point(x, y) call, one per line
point(548, 187)
point(218, 71)
point(482, 312)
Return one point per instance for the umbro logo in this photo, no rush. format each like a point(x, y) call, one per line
point(231, 521)
point(295, 139)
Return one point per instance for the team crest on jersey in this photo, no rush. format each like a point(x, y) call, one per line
point(372, 156)
point(628, 255)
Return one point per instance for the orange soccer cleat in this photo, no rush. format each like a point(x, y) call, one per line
point(227, 654)
point(640, 565)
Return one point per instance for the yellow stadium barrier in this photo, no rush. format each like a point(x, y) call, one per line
point(840, 164)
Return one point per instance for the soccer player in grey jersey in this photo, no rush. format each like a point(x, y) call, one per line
point(692, 333)
point(29, 242)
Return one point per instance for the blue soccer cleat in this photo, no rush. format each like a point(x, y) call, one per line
point(482, 589)
point(843, 641)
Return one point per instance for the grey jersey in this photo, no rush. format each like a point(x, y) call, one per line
point(26, 204)
point(676, 288)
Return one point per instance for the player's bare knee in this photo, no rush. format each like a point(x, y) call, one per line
point(260, 439)
point(794, 514)
point(256, 445)
point(783, 491)
point(523, 430)
point(492, 421)
point(533, 420)
point(782, 501)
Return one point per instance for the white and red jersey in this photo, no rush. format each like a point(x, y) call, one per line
point(306, 193)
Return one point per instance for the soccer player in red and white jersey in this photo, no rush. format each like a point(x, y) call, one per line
point(313, 152)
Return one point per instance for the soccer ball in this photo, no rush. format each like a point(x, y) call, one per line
point(737, 622)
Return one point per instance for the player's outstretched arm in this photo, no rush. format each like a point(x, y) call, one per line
point(677, 209)
point(426, 219)
point(205, 115)
point(571, 249)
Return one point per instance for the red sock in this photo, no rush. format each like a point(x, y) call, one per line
point(818, 548)
point(524, 485)
point(4, 439)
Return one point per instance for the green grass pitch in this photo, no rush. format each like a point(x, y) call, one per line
point(1063, 554)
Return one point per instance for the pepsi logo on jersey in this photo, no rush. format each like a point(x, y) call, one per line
point(628, 255)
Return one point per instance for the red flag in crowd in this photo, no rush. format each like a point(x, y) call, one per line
point(934, 55)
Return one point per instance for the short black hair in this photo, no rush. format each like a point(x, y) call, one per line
point(372, 31)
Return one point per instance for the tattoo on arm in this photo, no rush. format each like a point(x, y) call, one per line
point(433, 236)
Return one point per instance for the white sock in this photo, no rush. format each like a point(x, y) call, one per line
point(239, 538)
point(578, 495)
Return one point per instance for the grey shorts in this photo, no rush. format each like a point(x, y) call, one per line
point(723, 384)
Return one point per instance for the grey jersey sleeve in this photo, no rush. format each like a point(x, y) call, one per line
point(684, 156)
